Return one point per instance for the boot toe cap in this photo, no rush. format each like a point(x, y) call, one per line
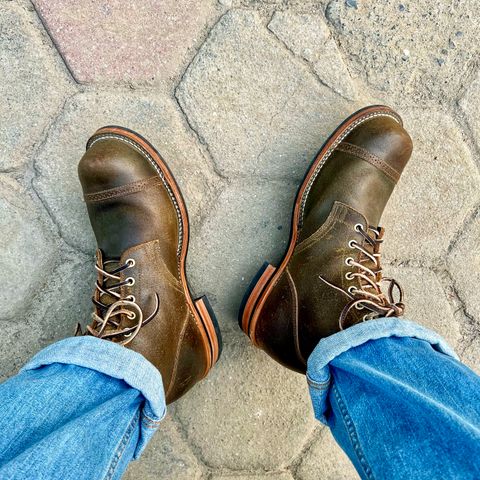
point(111, 163)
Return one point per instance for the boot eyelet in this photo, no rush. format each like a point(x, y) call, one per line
point(132, 315)
point(352, 243)
point(131, 298)
point(351, 290)
point(358, 227)
point(130, 281)
point(130, 262)
point(349, 276)
point(359, 306)
point(348, 261)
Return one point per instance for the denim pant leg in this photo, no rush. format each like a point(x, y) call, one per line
point(398, 402)
point(80, 409)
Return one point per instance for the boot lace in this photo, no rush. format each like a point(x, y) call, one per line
point(107, 316)
point(369, 294)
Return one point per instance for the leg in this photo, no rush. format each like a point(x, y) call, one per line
point(394, 395)
point(84, 407)
point(80, 409)
point(398, 401)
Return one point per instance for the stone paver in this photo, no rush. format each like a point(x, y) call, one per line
point(33, 84)
point(470, 103)
point(326, 460)
point(438, 189)
point(119, 41)
point(471, 352)
point(229, 249)
point(153, 116)
point(166, 457)
point(59, 300)
point(309, 37)
point(247, 401)
point(417, 51)
point(26, 252)
point(426, 302)
point(264, 87)
point(464, 264)
point(260, 111)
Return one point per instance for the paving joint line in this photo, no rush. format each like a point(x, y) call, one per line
point(35, 174)
point(54, 44)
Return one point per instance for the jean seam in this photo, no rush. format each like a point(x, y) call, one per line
point(352, 433)
point(146, 419)
point(122, 446)
point(147, 422)
point(318, 385)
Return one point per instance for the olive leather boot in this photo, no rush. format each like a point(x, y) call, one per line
point(142, 300)
point(330, 277)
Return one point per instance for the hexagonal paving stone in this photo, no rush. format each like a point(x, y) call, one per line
point(416, 51)
point(156, 118)
point(249, 225)
point(470, 104)
point(166, 456)
point(464, 264)
point(326, 460)
point(33, 83)
point(309, 37)
point(26, 250)
point(438, 189)
point(260, 111)
point(426, 302)
point(60, 301)
point(249, 413)
point(116, 41)
point(471, 352)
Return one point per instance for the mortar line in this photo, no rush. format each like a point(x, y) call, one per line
point(54, 43)
point(303, 61)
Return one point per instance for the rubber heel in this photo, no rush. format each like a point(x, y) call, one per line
point(211, 326)
point(255, 289)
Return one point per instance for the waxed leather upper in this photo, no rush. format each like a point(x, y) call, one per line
point(307, 300)
point(134, 217)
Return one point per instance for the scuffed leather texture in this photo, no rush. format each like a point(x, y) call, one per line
point(133, 217)
point(349, 190)
point(351, 180)
point(278, 325)
point(320, 259)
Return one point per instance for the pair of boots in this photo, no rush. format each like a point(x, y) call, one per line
point(329, 279)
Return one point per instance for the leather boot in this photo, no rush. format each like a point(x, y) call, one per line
point(142, 300)
point(330, 277)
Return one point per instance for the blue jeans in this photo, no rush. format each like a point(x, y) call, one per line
point(395, 396)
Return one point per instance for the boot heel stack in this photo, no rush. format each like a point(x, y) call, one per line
point(210, 323)
point(256, 288)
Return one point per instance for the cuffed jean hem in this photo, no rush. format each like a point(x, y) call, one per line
point(117, 362)
point(318, 371)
